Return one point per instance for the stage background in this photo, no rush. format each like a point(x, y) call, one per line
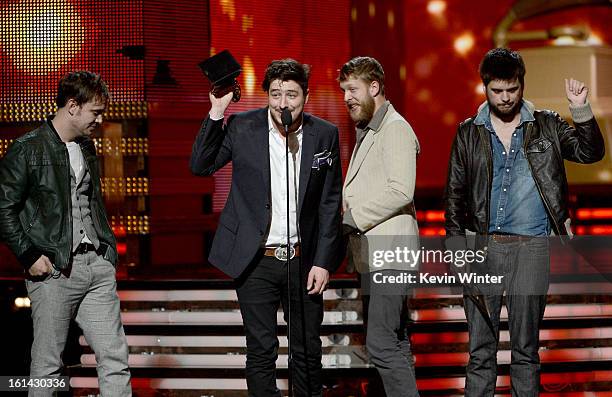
point(148, 52)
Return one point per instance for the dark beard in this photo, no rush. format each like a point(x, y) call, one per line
point(366, 113)
point(506, 115)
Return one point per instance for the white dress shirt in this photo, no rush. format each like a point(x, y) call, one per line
point(76, 159)
point(277, 234)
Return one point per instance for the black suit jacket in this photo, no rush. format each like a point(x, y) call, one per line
point(245, 220)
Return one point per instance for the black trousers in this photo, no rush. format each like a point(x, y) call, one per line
point(260, 291)
point(525, 268)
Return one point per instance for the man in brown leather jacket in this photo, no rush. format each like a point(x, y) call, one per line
point(507, 186)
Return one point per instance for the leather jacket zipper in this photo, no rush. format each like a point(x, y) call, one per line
point(69, 202)
point(527, 136)
point(94, 215)
point(33, 217)
point(95, 192)
point(487, 154)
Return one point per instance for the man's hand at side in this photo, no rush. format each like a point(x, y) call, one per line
point(41, 267)
point(318, 278)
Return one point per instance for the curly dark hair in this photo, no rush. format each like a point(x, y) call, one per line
point(285, 70)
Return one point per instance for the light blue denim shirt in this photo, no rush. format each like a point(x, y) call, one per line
point(516, 206)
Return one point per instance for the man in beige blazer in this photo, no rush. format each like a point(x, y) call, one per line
point(379, 215)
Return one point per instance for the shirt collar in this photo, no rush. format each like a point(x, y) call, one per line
point(272, 128)
point(378, 117)
point(484, 117)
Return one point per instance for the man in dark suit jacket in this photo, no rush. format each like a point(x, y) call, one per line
point(251, 239)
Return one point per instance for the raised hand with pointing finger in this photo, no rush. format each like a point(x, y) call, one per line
point(576, 92)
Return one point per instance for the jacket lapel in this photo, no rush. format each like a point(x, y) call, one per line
point(359, 156)
point(308, 147)
point(485, 137)
point(261, 147)
point(527, 136)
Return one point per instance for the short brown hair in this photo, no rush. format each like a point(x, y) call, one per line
point(365, 68)
point(82, 87)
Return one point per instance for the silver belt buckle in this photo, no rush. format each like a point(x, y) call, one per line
point(280, 252)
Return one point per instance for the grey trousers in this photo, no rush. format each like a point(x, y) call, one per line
point(387, 338)
point(86, 292)
point(525, 267)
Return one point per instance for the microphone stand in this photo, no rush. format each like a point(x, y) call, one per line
point(286, 120)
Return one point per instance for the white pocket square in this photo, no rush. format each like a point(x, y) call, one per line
point(321, 159)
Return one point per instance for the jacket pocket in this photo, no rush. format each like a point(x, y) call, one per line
point(229, 223)
point(539, 146)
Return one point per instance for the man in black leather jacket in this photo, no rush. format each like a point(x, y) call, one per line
point(52, 217)
point(507, 186)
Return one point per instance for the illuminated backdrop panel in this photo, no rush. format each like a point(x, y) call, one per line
point(42, 40)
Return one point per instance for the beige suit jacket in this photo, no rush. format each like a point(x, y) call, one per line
point(379, 192)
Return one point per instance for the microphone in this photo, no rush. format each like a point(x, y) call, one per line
point(286, 118)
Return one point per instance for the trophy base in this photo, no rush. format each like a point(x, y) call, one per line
point(219, 92)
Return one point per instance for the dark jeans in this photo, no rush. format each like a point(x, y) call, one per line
point(387, 338)
point(260, 291)
point(525, 266)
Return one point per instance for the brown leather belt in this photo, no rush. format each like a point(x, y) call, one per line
point(503, 238)
point(277, 251)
